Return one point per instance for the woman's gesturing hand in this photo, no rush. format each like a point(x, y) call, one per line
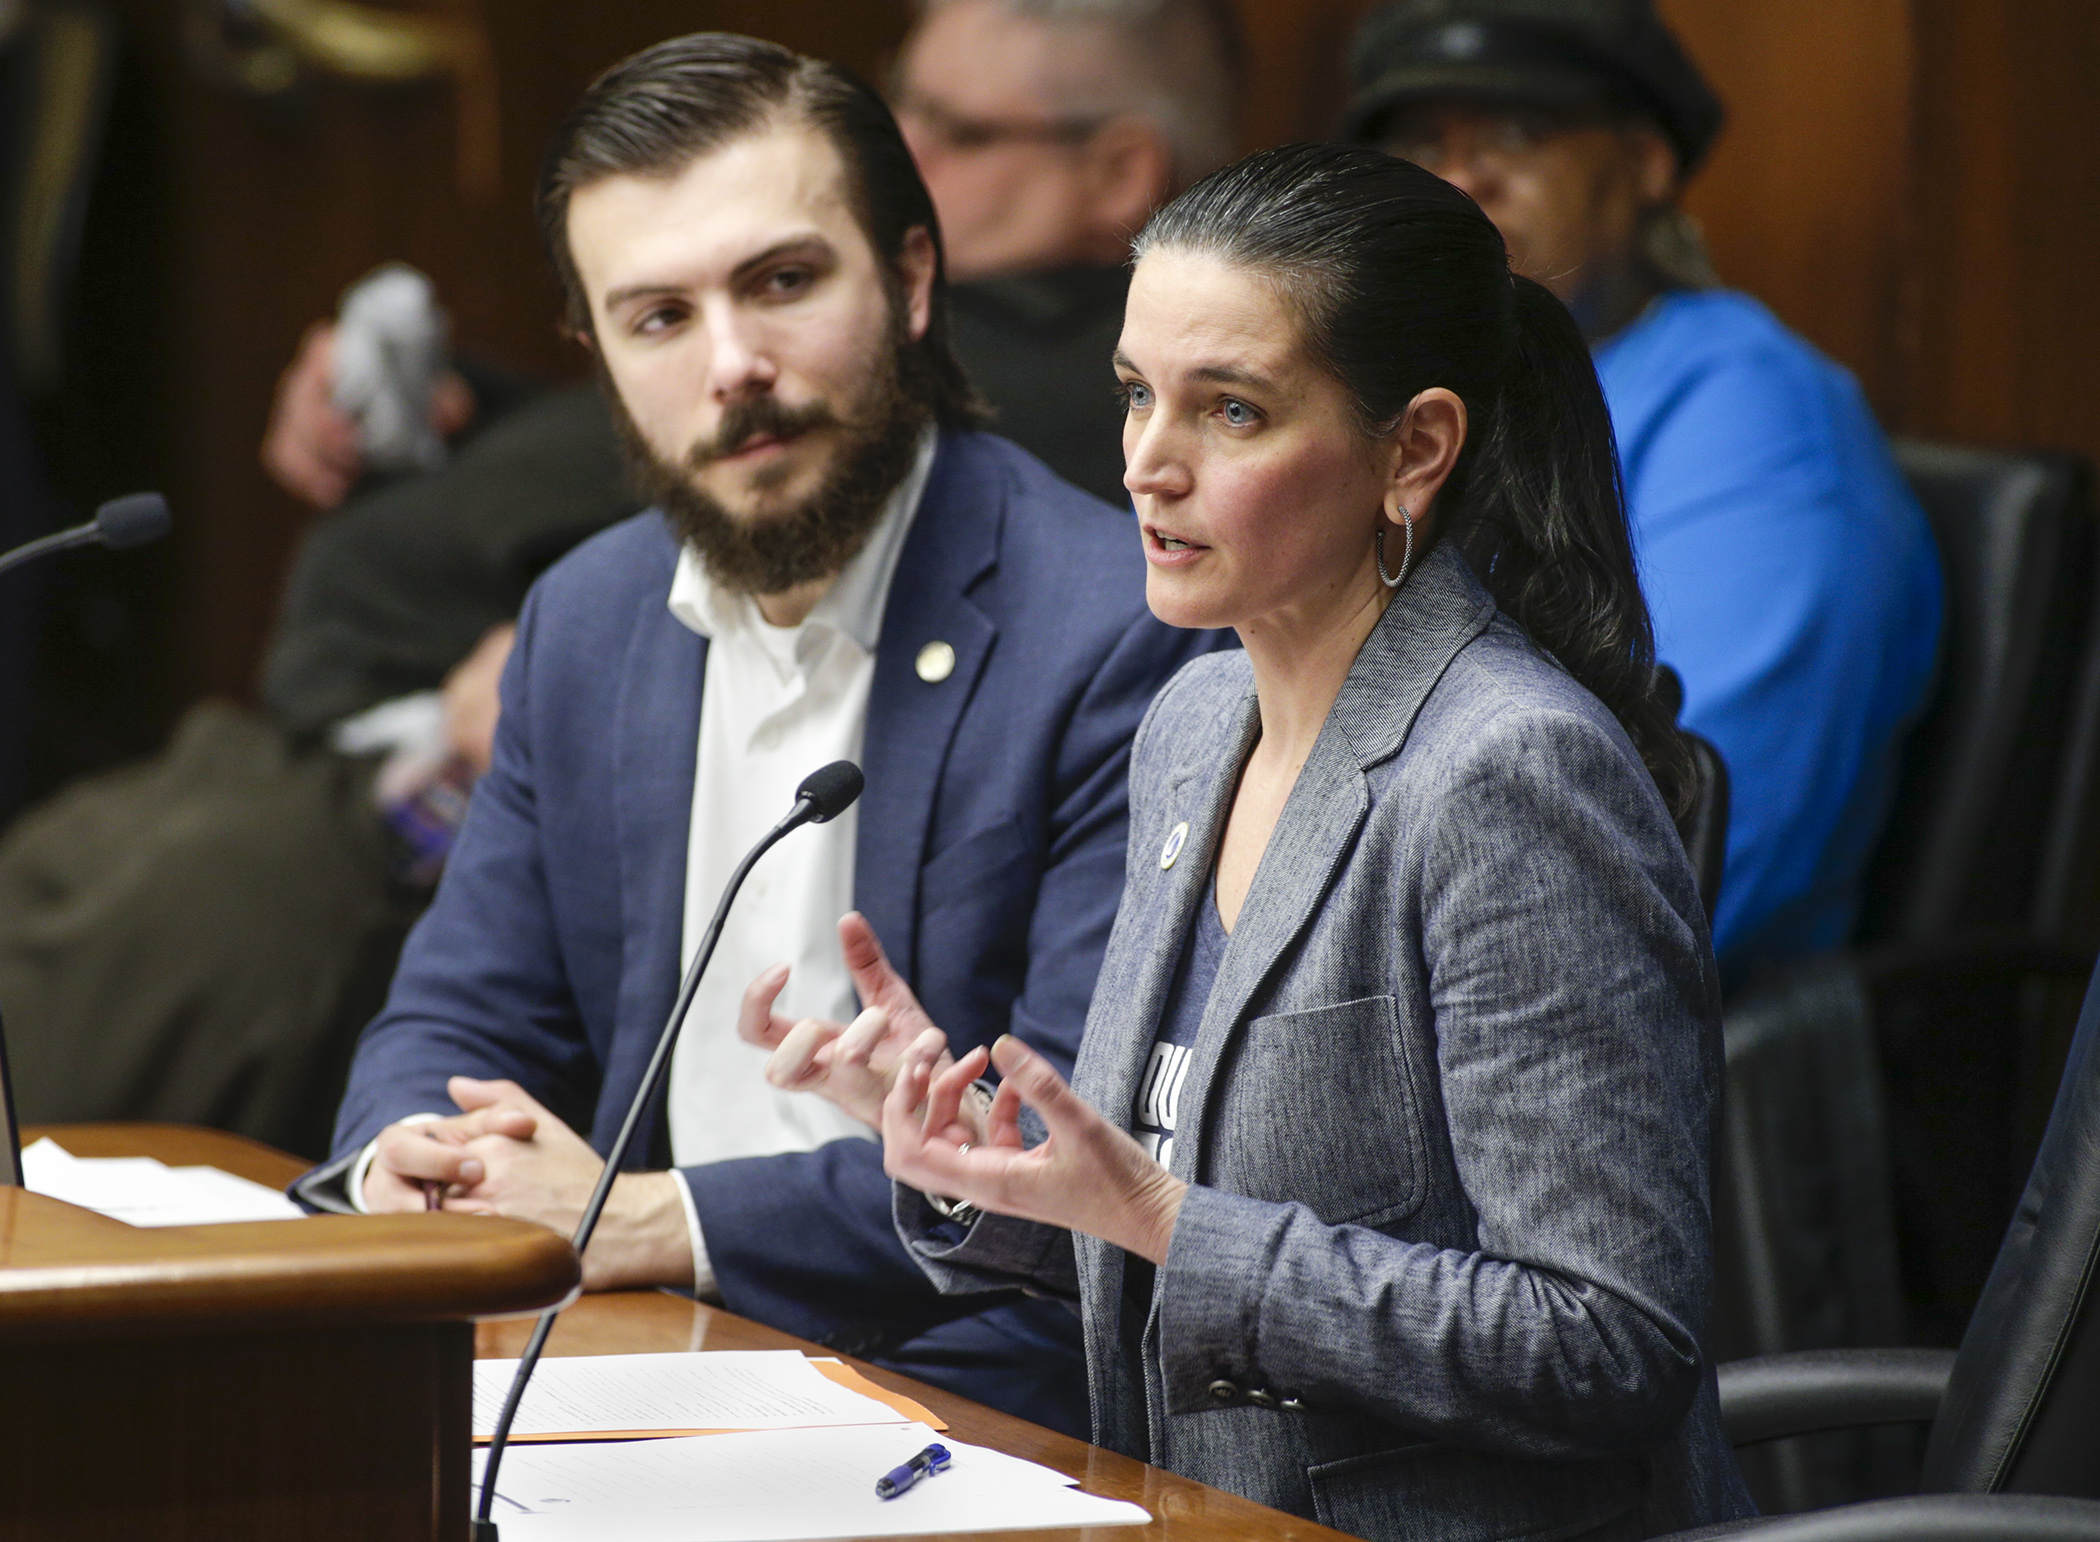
point(851, 1064)
point(1087, 1175)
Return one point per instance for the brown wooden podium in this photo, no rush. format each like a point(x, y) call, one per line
point(288, 1379)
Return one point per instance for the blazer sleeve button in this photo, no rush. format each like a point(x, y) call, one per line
point(1223, 1391)
point(1262, 1397)
point(1292, 1405)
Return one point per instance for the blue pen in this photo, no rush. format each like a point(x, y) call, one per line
point(933, 1459)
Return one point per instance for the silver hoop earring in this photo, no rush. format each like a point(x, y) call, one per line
point(1407, 552)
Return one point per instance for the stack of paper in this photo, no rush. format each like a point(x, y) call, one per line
point(772, 1485)
point(628, 1397)
point(143, 1192)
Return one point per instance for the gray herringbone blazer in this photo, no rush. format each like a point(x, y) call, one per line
point(1444, 1271)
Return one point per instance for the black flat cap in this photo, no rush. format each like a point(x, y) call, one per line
point(1549, 53)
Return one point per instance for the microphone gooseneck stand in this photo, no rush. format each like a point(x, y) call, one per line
point(132, 520)
point(823, 796)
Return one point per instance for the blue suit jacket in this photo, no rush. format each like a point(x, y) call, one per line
point(989, 856)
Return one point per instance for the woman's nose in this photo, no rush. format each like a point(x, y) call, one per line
point(1151, 466)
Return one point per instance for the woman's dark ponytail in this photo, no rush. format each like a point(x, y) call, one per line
point(1403, 284)
point(1542, 520)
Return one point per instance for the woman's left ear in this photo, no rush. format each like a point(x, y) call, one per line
point(1425, 447)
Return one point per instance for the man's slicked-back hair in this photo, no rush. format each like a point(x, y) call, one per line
point(653, 114)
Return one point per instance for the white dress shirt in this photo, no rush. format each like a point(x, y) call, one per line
point(776, 703)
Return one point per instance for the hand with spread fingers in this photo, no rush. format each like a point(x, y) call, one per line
point(850, 1064)
point(1087, 1175)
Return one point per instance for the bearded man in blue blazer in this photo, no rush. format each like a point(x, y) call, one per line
point(838, 565)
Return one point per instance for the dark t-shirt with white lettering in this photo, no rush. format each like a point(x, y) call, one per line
point(1156, 1110)
point(1158, 1104)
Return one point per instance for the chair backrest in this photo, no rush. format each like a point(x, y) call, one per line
point(1704, 827)
point(1803, 1227)
point(2022, 1412)
point(1804, 1236)
point(1977, 810)
point(2064, 896)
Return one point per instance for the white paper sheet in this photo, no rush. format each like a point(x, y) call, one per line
point(738, 1389)
point(142, 1192)
point(775, 1485)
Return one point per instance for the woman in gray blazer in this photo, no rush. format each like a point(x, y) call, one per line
point(1381, 1183)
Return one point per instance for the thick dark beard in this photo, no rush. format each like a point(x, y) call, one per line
point(814, 539)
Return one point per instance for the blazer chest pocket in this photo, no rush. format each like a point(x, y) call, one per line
point(1320, 1108)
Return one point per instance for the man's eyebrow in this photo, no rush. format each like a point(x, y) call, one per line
point(807, 241)
point(614, 298)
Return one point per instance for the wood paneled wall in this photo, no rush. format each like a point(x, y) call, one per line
point(2004, 327)
point(1805, 198)
point(1914, 184)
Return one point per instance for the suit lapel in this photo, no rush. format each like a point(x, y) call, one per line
point(954, 541)
point(655, 743)
point(1408, 651)
point(1199, 791)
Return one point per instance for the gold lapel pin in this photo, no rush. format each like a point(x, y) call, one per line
point(936, 662)
point(1175, 838)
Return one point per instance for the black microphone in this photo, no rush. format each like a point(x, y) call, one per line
point(829, 791)
point(824, 794)
point(132, 520)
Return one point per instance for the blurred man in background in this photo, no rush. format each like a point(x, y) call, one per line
point(198, 937)
point(1793, 580)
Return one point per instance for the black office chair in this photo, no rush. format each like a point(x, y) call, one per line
point(1818, 1171)
point(1970, 913)
point(1704, 828)
point(1804, 1229)
point(1983, 818)
point(2014, 1414)
point(1804, 1242)
point(2014, 1449)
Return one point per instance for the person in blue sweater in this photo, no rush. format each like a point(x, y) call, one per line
point(1793, 580)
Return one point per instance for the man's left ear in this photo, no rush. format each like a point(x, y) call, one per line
point(916, 263)
point(1130, 169)
point(1658, 172)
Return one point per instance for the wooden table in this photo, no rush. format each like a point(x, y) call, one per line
point(643, 1322)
